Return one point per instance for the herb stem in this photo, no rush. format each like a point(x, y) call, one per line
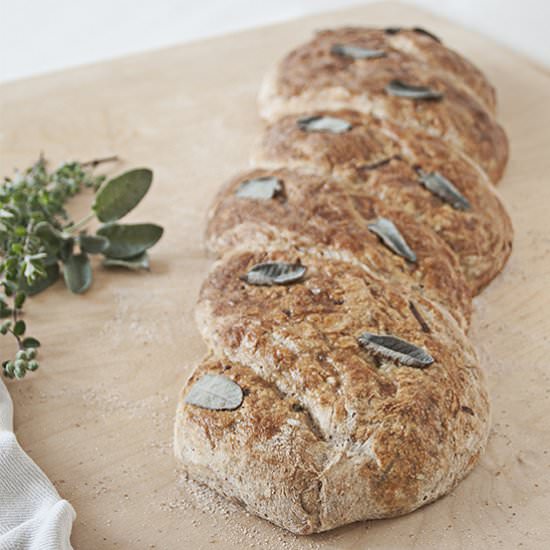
point(14, 317)
point(30, 226)
point(95, 162)
point(81, 223)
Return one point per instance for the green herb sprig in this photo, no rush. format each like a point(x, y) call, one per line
point(39, 241)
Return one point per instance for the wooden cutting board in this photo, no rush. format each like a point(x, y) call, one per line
point(98, 416)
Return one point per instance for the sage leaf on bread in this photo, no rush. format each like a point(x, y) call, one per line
point(398, 88)
point(420, 30)
point(444, 189)
point(396, 349)
point(274, 273)
point(215, 392)
point(392, 238)
point(323, 124)
point(356, 52)
point(264, 188)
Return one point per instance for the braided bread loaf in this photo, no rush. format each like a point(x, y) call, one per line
point(340, 384)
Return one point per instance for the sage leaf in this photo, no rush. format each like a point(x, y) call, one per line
point(118, 196)
point(66, 250)
point(392, 238)
point(141, 261)
point(394, 348)
point(30, 342)
point(264, 188)
point(274, 273)
point(77, 272)
point(93, 244)
point(42, 283)
point(444, 189)
point(51, 236)
point(323, 124)
point(129, 240)
point(215, 392)
point(399, 88)
point(420, 30)
point(356, 52)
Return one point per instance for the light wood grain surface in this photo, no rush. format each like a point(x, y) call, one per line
point(98, 416)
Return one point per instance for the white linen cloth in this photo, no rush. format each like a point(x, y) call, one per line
point(32, 514)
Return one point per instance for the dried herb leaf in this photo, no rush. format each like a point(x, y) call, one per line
point(378, 163)
point(420, 30)
point(324, 124)
point(392, 238)
point(399, 88)
point(391, 347)
point(264, 188)
point(274, 273)
point(356, 52)
point(416, 314)
point(444, 189)
point(215, 392)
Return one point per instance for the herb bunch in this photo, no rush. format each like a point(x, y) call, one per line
point(39, 241)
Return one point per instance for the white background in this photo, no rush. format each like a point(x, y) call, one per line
point(38, 36)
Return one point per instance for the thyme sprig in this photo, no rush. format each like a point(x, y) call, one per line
point(39, 240)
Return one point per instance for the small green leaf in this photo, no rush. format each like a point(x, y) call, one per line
point(30, 342)
point(120, 195)
point(141, 261)
point(77, 272)
point(5, 213)
point(20, 298)
point(93, 244)
point(52, 274)
point(19, 328)
point(49, 235)
point(33, 365)
point(5, 310)
point(67, 248)
point(127, 241)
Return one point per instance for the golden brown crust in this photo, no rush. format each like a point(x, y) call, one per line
point(376, 158)
point(406, 46)
point(329, 432)
point(318, 213)
point(311, 78)
point(264, 455)
point(381, 438)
